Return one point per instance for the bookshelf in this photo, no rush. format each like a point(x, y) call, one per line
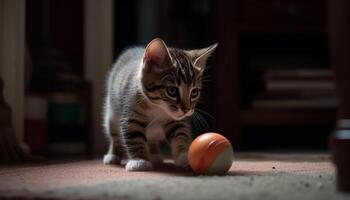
point(273, 117)
point(58, 99)
point(262, 39)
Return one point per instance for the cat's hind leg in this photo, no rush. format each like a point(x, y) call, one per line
point(112, 130)
point(115, 150)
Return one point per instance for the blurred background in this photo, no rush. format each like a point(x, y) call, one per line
point(270, 88)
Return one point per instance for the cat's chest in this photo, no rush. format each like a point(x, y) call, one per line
point(156, 119)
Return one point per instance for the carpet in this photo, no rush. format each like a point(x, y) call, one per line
point(252, 176)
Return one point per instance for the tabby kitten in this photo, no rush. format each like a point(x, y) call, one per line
point(150, 94)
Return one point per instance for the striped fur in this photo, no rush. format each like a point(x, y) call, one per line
point(150, 94)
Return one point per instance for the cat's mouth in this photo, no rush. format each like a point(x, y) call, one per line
point(175, 114)
point(179, 115)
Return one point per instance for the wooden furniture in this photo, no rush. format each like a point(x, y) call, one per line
point(64, 65)
point(238, 23)
point(339, 29)
point(241, 26)
point(236, 18)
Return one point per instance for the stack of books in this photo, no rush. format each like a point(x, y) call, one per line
point(66, 124)
point(35, 123)
point(297, 88)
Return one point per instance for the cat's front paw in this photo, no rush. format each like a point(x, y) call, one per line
point(138, 165)
point(182, 161)
point(109, 159)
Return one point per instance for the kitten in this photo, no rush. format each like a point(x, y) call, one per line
point(150, 94)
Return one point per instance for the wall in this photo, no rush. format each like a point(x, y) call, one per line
point(12, 48)
point(98, 59)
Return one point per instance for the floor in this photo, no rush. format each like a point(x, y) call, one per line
point(263, 176)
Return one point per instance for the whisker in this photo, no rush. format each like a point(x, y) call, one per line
point(201, 121)
point(206, 77)
point(201, 102)
point(204, 112)
point(207, 81)
point(204, 121)
point(196, 121)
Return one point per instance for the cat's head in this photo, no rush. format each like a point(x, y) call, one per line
point(172, 78)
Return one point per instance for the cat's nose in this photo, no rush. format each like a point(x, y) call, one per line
point(185, 109)
point(173, 107)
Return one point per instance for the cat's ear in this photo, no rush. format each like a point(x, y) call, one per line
point(200, 56)
point(157, 57)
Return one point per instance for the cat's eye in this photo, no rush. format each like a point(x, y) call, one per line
point(172, 91)
point(194, 93)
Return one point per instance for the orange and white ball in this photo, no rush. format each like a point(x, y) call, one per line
point(210, 153)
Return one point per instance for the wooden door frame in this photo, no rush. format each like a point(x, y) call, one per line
point(98, 57)
point(12, 59)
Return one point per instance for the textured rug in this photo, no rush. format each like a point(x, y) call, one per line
point(252, 176)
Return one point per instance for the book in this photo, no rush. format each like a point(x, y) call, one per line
point(66, 125)
point(299, 74)
point(35, 135)
point(297, 88)
point(300, 84)
point(35, 123)
point(295, 103)
point(297, 93)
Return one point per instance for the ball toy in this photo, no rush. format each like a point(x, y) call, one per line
point(210, 153)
